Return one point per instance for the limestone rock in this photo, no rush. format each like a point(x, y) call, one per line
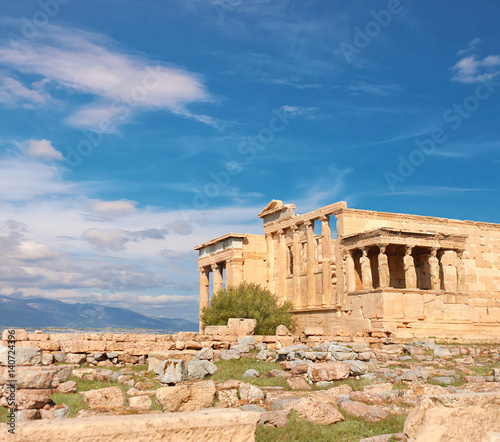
point(264, 354)
point(371, 413)
point(27, 415)
point(313, 331)
point(317, 412)
point(251, 373)
point(206, 353)
point(47, 359)
point(32, 399)
point(365, 397)
point(442, 352)
point(251, 393)
point(357, 368)
point(467, 417)
point(140, 402)
point(20, 334)
point(228, 398)
point(68, 387)
point(247, 341)
point(328, 371)
point(186, 397)
point(281, 330)
point(76, 358)
point(173, 371)
point(32, 377)
point(61, 411)
point(227, 355)
point(111, 397)
point(274, 418)
point(23, 357)
point(298, 383)
point(200, 369)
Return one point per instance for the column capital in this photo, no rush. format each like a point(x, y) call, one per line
point(324, 218)
point(215, 267)
point(281, 232)
point(309, 223)
point(203, 269)
point(294, 228)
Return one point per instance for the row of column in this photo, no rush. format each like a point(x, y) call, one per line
point(409, 269)
point(314, 297)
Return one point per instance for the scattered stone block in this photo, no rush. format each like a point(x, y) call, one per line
point(250, 393)
point(274, 418)
point(298, 383)
point(111, 397)
point(186, 397)
point(140, 402)
point(371, 413)
point(68, 387)
point(227, 355)
point(317, 412)
point(454, 417)
point(251, 373)
point(173, 371)
point(228, 398)
point(328, 371)
point(24, 356)
point(313, 331)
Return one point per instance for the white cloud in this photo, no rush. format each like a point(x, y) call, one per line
point(473, 69)
point(294, 111)
point(13, 92)
point(114, 208)
point(43, 149)
point(89, 63)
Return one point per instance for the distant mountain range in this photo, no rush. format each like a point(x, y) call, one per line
point(43, 313)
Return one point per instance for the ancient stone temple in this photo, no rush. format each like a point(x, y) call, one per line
point(403, 275)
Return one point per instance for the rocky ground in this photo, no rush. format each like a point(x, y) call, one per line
point(323, 384)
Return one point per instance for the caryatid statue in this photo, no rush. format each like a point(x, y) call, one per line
point(366, 270)
point(409, 267)
point(434, 269)
point(383, 268)
point(459, 265)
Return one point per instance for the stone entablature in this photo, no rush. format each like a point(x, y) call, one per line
point(322, 277)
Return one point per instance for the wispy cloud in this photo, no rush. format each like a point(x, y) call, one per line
point(13, 92)
point(375, 89)
point(88, 63)
point(43, 149)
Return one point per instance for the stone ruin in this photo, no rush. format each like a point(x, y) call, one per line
point(382, 274)
point(316, 367)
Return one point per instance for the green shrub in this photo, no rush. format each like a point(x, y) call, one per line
point(251, 301)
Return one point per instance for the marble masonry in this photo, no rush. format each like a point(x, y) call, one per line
point(375, 274)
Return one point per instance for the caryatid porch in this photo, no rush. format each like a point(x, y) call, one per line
point(398, 259)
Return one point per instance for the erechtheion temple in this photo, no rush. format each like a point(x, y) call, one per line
point(404, 275)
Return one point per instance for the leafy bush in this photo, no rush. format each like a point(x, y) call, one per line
point(251, 301)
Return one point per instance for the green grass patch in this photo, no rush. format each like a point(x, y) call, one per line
point(3, 414)
point(486, 369)
point(235, 369)
point(74, 401)
point(399, 386)
point(355, 384)
point(352, 429)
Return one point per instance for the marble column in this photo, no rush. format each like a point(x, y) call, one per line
point(217, 275)
point(270, 262)
point(283, 271)
point(326, 270)
point(409, 268)
point(296, 300)
point(311, 283)
point(384, 275)
point(366, 270)
point(204, 290)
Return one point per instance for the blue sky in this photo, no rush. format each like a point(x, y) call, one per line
point(131, 132)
